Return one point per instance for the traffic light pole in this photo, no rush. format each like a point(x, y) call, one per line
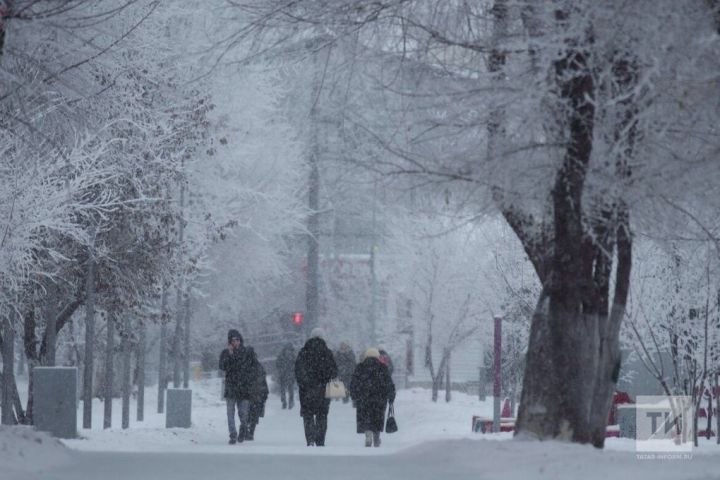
point(313, 237)
point(373, 274)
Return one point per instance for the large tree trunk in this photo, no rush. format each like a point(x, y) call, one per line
point(9, 388)
point(564, 339)
point(573, 357)
point(8, 375)
point(609, 359)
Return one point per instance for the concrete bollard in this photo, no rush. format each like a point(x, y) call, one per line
point(178, 408)
point(55, 400)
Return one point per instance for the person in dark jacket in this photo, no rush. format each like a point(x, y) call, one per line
point(345, 360)
point(372, 389)
point(238, 368)
point(314, 368)
point(285, 366)
point(258, 395)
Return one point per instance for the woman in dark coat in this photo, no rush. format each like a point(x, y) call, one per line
point(314, 368)
point(371, 389)
point(258, 395)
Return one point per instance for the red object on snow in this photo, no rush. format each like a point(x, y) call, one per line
point(506, 410)
point(619, 398)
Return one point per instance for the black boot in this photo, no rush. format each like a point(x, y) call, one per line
point(309, 425)
point(321, 428)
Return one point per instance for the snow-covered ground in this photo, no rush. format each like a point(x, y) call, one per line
point(280, 431)
point(434, 441)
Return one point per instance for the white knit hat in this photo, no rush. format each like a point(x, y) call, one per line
point(372, 353)
point(317, 332)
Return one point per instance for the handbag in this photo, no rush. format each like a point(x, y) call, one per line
point(391, 423)
point(335, 389)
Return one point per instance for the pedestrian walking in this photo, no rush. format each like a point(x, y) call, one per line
point(258, 395)
point(314, 368)
point(285, 368)
point(371, 389)
point(345, 360)
point(238, 368)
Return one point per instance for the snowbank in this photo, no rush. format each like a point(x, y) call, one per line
point(24, 451)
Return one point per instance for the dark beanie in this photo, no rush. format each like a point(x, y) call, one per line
point(232, 333)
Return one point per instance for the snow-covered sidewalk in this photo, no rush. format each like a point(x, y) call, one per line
point(281, 431)
point(434, 442)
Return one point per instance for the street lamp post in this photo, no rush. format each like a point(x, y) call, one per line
point(497, 376)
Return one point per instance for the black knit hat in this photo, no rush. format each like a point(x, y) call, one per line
point(233, 334)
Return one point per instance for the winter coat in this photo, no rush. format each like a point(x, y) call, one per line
point(371, 388)
point(346, 364)
point(258, 393)
point(239, 369)
point(314, 368)
point(285, 364)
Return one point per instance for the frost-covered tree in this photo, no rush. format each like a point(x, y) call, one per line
point(558, 114)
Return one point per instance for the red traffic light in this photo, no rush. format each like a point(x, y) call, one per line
point(297, 318)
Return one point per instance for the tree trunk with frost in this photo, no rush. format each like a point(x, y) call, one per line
point(573, 358)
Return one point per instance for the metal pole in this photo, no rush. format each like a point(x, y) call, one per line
point(373, 274)
point(497, 374)
point(186, 339)
point(89, 367)
point(126, 357)
point(162, 367)
point(109, 373)
point(140, 355)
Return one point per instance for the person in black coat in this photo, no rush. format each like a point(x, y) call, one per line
point(239, 371)
point(258, 395)
point(314, 368)
point(371, 389)
point(345, 360)
point(285, 366)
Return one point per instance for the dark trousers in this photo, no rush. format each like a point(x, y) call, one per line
point(287, 386)
point(315, 429)
point(242, 407)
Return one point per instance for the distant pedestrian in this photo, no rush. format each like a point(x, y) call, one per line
point(314, 368)
point(386, 360)
point(238, 368)
point(285, 367)
point(258, 394)
point(372, 389)
point(345, 360)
